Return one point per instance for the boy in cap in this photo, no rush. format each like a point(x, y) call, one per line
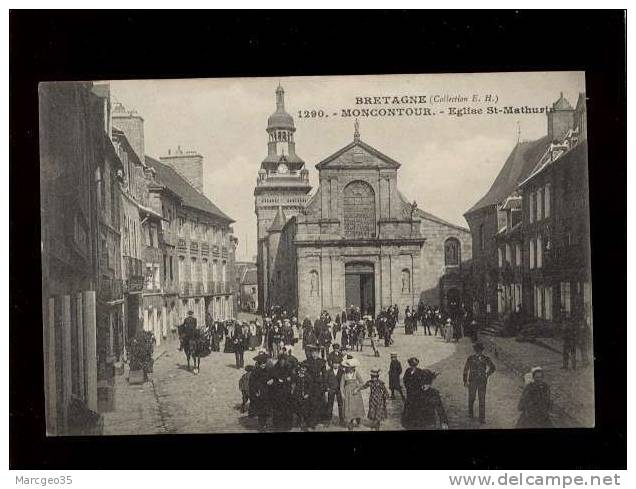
point(395, 370)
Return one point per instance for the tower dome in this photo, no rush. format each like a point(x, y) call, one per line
point(280, 119)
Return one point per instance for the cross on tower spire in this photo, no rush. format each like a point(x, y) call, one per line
point(356, 130)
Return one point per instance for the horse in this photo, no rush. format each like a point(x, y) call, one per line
point(195, 345)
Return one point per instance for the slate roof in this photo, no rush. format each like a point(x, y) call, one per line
point(166, 175)
point(279, 220)
point(439, 220)
point(517, 167)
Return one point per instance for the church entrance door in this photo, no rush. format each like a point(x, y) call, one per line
point(360, 286)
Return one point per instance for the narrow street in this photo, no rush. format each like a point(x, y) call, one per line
point(209, 402)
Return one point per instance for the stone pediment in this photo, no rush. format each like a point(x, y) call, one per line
point(358, 154)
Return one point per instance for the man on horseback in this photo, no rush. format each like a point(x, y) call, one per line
point(187, 329)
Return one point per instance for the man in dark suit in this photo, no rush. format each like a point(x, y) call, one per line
point(316, 369)
point(476, 372)
point(239, 343)
point(187, 329)
point(333, 376)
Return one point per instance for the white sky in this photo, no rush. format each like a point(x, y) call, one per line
point(448, 163)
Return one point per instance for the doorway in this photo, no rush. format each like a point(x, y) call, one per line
point(360, 287)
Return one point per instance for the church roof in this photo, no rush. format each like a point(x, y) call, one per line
point(351, 147)
point(430, 217)
point(517, 167)
point(166, 175)
point(562, 104)
point(279, 220)
point(280, 119)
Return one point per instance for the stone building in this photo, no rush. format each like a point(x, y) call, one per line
point(72, 133)
point(134, 199)
point(185, 241)
point(282, 190)
point(247, 286)
point(556, 228)
point(204, 253)
point(357, 240)
point(530, 231)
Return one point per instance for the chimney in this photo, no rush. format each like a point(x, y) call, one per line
point(132, 125)
point(560, 119)
point(188, 164)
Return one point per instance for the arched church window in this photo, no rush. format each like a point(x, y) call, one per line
point(451, 252)
point(406, 281)
point(359, 210)
point(314, 284)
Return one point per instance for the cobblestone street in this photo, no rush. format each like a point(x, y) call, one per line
point(177, 401)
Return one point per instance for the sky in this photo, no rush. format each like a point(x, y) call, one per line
point(448, 162)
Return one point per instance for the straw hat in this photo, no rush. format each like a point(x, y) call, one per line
point(350, 363)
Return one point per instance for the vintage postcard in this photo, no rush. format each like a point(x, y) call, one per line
point(329, 253)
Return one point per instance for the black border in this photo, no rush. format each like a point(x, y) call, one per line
point(80, 45)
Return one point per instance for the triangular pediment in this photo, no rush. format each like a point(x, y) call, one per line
point(358, 154)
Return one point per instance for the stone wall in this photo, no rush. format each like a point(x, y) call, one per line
point(433, 255)
point(485, 267)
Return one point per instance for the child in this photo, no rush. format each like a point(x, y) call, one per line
point(395, 370)
point(377, 399)
point(244, 386)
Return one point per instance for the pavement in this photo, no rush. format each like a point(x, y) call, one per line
point(572, 390)
point(177, 401)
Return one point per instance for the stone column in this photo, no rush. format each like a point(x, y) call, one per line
point(50, 355)
point(90, 335)
point(79, 313)
point(155, 325)
point(164, 320)
point(67, 355)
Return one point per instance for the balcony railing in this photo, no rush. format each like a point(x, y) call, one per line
point(215, 250)
point(205, 249)
point(134, 274)
point(198, 287)
point(194, 247)
point(110, 289)
point(224, 252)
point(181, 245)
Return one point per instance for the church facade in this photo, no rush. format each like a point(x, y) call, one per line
point(356, 240)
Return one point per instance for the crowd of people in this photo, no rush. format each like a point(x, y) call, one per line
point(282, 392)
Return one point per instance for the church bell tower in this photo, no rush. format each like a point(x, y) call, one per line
point(282, 189)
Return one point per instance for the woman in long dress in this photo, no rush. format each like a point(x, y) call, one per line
point(229, 334)
point(350, 385)
point(253, 341)
point(535, 403)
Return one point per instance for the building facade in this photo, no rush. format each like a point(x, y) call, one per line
point(247, 286)
point(355, 241)
point(202, 258)
point(530, 231)
point(72, 132)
